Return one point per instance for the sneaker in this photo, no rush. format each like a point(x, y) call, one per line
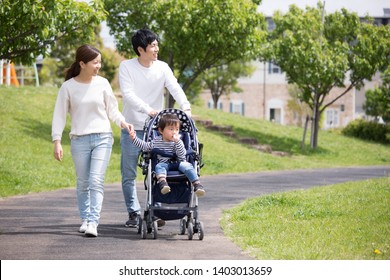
point(91, 230)
point(199, 190)
point(133, 220)
point(84, 226)
point(164, 188)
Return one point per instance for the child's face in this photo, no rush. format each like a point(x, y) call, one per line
point(170, 132)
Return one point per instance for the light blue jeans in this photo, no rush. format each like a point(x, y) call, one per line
point(184, 167)
point(91, 155)
point(129, 164)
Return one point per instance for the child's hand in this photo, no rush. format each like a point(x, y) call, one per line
point(176, 137)
point(132, 134)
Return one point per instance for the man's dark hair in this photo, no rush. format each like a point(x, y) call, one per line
point(142, 38)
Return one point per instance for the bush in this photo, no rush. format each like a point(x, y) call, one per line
point(367, 130)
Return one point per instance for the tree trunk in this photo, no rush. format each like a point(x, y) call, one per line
point(315, 123)
point(304, 132)
point(169, 100)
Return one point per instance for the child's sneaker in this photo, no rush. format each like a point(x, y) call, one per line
point(199, 190)
point(83, 226)
point(164, 188)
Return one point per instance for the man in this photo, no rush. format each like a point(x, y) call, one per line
point(142, 82)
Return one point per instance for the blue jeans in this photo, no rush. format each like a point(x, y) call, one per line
point(91, 154)
point(185, 167)
point(129, 164)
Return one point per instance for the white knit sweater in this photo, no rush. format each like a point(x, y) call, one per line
point(91, 107)
point(143, 90)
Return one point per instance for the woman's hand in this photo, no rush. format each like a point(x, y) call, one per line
point(58, 152)
point(129, 127)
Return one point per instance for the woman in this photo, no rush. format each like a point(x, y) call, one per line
point(89, 100)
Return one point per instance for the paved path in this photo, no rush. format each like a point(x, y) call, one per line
point(44, 226)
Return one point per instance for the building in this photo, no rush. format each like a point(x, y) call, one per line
point(266, 93)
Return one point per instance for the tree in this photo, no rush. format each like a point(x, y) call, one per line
point(296, 106)
point(222, 80)
point(377, 102)
point(319, 52)
point(29, 28)
point(64, 52)
point(195, 35)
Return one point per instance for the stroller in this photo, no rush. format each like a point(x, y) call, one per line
point(181, 202)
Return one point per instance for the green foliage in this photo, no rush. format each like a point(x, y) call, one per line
point(63, 55)
point(222, 80)
point(348, 221)
point(48, 75)
point(377, 102)
point(31, 27)
point(296, 106)
point(194, 35)
point(319, 52)
point(367, 130)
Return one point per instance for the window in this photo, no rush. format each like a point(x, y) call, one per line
point(271, 24)
point(210, 104)
point(273, 69)
point(332, 118)
point(237, 107)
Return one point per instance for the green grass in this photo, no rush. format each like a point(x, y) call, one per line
point(346, 221)
point(339, 222)
point(26, 152)
point(224, 155)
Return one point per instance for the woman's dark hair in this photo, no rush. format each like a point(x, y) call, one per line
point(142, 38)
point(168, 119)
point(84, 53)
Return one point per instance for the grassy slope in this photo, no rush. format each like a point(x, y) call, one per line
point(348, 221)
point(27, 164)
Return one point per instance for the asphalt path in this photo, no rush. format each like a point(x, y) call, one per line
point(43, 226)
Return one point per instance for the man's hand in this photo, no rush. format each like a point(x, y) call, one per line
point(153, 113)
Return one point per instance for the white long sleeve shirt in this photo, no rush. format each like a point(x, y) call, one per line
point(143, 89)
point(91, 107)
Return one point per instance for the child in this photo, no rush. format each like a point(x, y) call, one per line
point(169, 142)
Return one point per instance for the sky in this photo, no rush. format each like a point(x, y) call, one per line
point(362, 7)
point(373, 8)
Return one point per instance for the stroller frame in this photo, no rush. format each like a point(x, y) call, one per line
point(181, 203)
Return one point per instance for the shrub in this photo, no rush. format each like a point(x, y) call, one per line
point(367, 130)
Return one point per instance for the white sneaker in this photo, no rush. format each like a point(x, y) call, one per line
point(91, 230)
point(84, 226)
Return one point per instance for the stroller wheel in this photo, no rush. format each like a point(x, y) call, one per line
point(200, 231)
point(139, 225)
point(155, 229)
point(190, 230)
point(183, 226)
point(143, 229)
